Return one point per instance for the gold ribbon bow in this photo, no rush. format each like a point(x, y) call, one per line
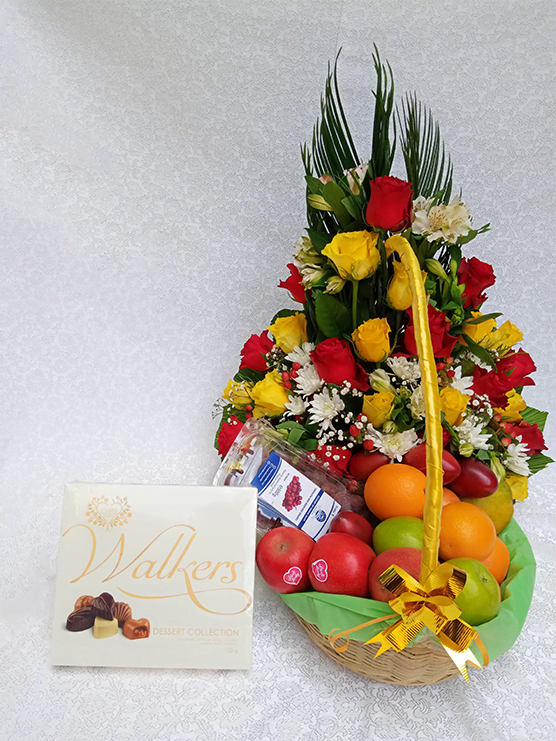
point(432, 605)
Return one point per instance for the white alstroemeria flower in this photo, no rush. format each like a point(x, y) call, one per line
point(380, 381)
point(308, 380)
point(325, 407)
point(306, 252)
point(462, 383)
point(301, 355)
point(295, 406)
point(443, 222)
point(471, 431)
point(417, 403)
point(405, 369)
point(394, 445)
point(311, 274)
point(517, 458)
point(355, 182)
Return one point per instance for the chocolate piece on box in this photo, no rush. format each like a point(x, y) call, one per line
point(84, 601)
point(103, 606)
point(81, 619)
point(134, 629)
point(122, 612)
point(105, 628)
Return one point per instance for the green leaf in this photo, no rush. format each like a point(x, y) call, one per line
point(314, 185)
point(382, 152)
point(428, 168)
point(319, 240)
point(334, 195)
point(478, 351)
point(249, 375)
point(537, 462)
point(283, 313)
point(470, 235)
point(319, 203)
point(309, 444)
point(480, 319)
point(352, 207)
point(535, 417)
point(333, 317)
point(482, 455)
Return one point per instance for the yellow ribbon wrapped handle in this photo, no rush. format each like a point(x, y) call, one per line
point(428, 602)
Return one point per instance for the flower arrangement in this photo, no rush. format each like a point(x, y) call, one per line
point(338, 375)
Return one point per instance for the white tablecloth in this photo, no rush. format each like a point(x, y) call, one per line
point(151, 192)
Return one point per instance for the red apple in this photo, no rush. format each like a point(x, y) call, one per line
point(475, 480)
point(409, 559)
point(352, 524)
point(362, 464)
point(282, 557)
point(416, 457)
point(339, 564)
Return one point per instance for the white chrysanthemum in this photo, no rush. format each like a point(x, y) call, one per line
point(405, 368)
point(417, 403)
point(308, 380)
point(295, 406)
point(380, 381)
point(394, 445)
point(442, 222)
point(462, 383)
point(324, 407)
point(471, 431)
point(517, 458)
point(301, 355)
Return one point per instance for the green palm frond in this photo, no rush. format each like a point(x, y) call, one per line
point(382, 154)
point(332, 150)
point(428, 167)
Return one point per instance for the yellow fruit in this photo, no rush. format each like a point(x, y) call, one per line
point(498, 506)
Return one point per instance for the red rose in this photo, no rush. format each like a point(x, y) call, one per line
point(442, 342)
point(493, 384)
point(228, 433)
point(294, 285)
point(390, 204)
point(326, 453)
point(517, 367)
point(335, 364)
point(529, 434)
point(253, 351)
point(477, 276)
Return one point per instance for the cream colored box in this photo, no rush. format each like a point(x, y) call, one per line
point(181, 557)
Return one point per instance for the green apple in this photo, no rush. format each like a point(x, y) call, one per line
point(398, 532)
point(479, 600)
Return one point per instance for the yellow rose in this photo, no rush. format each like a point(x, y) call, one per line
point(378, 407)
point(270, 396)
point(238, 393)
point(290, 331)
point(354, 254)
point(519, 486)
point(452, 403)
point(514, 406)
point(503, 338)
point(399, 290)
point(478, 332)
point(371, 339)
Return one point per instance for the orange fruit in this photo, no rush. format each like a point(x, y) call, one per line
point(396, 490)
point(498, 562)
point(466, 531)
point(448, 497)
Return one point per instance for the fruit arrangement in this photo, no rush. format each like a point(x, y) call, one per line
point(389, 325)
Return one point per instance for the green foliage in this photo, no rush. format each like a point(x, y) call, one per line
point(428, 168)
point(382, 153)
point(535, 417)
point(319, 239)
point(478, 351)
point(283, 313)
point(538, 461)
point(334, 195)
point(248, 375)
point(481, 319)
point(333, 318)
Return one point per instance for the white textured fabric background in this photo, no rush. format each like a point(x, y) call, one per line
point(151, 191)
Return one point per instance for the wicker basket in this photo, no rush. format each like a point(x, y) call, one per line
point(419, 664)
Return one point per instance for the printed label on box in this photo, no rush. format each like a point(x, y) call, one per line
point(295, 497)
point(155, 576)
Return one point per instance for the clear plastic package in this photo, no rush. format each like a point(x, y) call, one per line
point(294, 489)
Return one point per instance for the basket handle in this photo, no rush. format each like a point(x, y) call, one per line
point(433, 424)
